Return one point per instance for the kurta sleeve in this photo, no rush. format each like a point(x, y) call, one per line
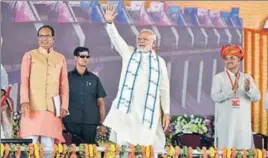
point(253, 93)
point(64, 86)
point(25, 78)
point(217, 92)
point(164, 88)
point(119, 43)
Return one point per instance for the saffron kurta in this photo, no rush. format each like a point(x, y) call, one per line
point(129, 127)
point(43, 76)
point(233, 125)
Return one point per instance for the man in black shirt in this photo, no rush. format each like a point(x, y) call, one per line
point(86, 102)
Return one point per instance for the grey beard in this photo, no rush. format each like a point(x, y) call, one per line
point(142, 50)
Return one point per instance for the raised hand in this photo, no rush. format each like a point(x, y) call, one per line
point(110, 13)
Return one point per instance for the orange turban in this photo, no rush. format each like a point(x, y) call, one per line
point(232, 50)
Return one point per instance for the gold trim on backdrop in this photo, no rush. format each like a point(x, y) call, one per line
point(253, 70)
point(256, 64)
point(261, 80)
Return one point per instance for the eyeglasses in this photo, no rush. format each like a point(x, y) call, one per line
point(84, 56)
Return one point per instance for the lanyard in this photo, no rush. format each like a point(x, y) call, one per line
point(230, 79)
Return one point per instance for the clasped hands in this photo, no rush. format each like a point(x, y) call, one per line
point(246, 85)
point(25, 110)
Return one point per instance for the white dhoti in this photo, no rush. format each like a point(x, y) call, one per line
point(129, 127)
point(128, 130)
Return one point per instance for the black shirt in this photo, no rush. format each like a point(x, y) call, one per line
point(84, 91)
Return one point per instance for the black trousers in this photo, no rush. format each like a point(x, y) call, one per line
point(87, 132)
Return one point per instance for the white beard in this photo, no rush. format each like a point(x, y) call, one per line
point(142, 49)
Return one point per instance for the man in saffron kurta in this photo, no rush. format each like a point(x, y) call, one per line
point(233, 91)
point(135, 115)
point(43, 76)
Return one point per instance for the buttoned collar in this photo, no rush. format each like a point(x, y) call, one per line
point(44, 51)
point(85, 73)
point(231, 73)
point(152, 52)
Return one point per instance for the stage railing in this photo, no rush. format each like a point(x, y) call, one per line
point(116, 150)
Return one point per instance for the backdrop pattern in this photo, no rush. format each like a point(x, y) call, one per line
point(189, 40)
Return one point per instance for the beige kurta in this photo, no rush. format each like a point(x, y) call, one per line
point(129, 127)
point(43, 76)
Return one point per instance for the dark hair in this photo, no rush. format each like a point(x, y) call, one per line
point(77, 50)
point(2, 90)
point(49, 27)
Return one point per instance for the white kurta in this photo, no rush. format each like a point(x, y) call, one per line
point(233, 125)
point(128, 127)
point(2, 133)
point(4, 122)
point(4, 78)
point(6, 125)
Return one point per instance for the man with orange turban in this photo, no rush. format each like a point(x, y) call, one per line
point(233, 91)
